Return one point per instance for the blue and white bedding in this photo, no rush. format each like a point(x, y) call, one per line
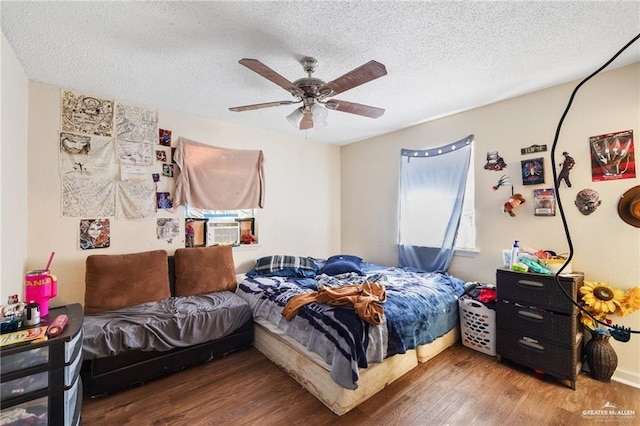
point(420, 307)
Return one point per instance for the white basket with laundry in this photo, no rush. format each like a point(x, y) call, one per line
point(477, 325)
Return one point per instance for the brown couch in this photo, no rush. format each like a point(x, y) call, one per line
point(122, 288)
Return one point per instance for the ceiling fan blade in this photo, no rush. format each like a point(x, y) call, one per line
point(306, 122)
point(354, 108)
point(363, 74)
point(269, 74)
point(259, 106)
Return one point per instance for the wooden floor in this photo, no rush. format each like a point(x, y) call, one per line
point(458, 387)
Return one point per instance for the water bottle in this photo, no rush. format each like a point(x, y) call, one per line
point(514, 253)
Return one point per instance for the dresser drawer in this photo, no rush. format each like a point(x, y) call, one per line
point(539, 290)
point(559, 361)
point(555, 327)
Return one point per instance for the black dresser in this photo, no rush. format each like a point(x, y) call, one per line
point(40, 383)
point(537, 325)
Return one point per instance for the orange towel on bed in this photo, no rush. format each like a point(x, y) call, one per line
point(365, 298)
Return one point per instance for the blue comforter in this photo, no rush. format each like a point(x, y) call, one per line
point(420, 307)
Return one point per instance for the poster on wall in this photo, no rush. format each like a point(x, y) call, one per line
point(163, 200)
point(164, 137)
point(544, 202)
point(167, 229)
point(86, 155)
point(167, 170)
point(134, 153)
point(83, 196)
point(135, 200)
point(135, 123)
point(86, 115)
point(95, 233)
point(494, 162)
point(612, 156)
point(533, 171)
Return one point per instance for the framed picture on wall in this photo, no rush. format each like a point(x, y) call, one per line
point(195, 232)
point(247, 230)
point(533, 171)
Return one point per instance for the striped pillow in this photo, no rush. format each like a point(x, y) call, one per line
point(286, 266)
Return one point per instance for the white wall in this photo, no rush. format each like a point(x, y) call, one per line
point(300, 217)
point(606, 248)
point(13, 173)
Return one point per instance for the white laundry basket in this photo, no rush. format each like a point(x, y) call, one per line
point(477, 325)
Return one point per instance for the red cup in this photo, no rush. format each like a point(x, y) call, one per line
point(40, 286)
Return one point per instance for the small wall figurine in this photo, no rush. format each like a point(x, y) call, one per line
point(588, 201)
point(190, 233)
point(503, 181)
point(566, 165)
point(514, 201)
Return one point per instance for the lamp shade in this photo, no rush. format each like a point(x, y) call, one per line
point(319, 116)
point(295, 117)
point(318, 113)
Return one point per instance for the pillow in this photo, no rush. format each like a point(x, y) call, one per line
point(342, 264)
point(203, 270)
point(355, 259)
point(115, 281)
point(286, 266)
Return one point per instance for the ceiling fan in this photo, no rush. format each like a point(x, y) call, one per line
point(313, 92)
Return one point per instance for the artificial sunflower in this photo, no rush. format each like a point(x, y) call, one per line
point(631, 302)
point(589, 321)
point(603, 298)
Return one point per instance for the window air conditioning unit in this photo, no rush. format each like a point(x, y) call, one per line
point(222, 233)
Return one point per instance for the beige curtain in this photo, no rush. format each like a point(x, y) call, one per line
point(215, 178)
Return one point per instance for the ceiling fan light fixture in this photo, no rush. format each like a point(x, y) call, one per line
point(312, 92)
point(318, 113)
point(296, 117)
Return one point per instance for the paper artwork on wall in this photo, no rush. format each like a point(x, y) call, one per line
point(95, 233)
point(533, 171)
point(86, 115)
point(544, 202)
point(161, 156)
point(612, 156)
point(134, 153)
point(83, 196)
point(494, 161)
point(86, 155)
point(168, 229)
point(164, 137)
point(136, 123)
point(135, 200)
point(132, 172)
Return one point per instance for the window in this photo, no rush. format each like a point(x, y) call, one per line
point(433, 220)
point(466, 239)
point(222, 227)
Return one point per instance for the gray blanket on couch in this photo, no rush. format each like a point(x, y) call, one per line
point(164, 325)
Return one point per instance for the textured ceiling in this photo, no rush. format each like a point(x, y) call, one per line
point(441, 57)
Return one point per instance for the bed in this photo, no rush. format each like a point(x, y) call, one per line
point(339, 356)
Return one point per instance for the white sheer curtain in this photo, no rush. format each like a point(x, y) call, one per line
point(432, 189)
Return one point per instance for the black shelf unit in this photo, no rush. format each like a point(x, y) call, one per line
point(43, 379)
point(537, 325)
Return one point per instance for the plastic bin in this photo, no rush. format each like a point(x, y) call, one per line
point(477, 325)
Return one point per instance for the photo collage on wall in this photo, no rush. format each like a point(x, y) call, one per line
point(107, 168)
